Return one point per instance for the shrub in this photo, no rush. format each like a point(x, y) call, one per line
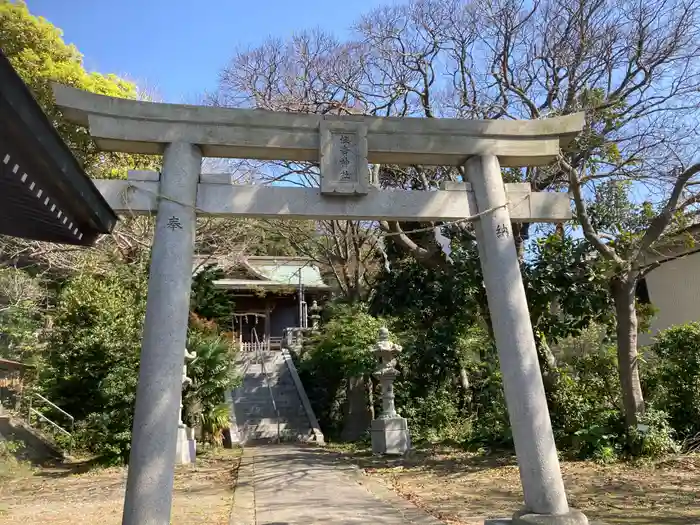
point(215, 419)
point(653, 436)
point(209, 302)
point(93, 361)
point(213, 374)
point(12, 461)
point(673, 385)
point(490, 423)
point(583, 403)
point(22, 298)
point(95, 344)
point(436, 417)
point(340, 351)
point(434, 397)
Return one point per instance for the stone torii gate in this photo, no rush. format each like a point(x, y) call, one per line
point(343, 146)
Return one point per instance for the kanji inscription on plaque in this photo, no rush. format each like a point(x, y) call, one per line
point(344, 169)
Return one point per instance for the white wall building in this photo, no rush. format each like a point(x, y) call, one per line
point(674, 287)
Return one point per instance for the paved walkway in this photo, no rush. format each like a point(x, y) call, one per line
point(297, 485)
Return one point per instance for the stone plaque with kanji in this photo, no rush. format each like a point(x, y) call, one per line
point(343, 158)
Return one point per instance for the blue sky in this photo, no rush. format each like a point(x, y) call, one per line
point(178, 47)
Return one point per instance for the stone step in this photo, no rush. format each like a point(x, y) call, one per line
point(253, 375)
point(253, 385)
point(280, 402)
point(259, 389)
point(271, 430)
point(255, 414)
point(282, 407)
point(250, 388)
point(266, 360)
point(248, 403)
point(273, 426)
point(256, 417)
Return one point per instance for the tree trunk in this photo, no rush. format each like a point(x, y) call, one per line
point(357, 414)
point(370, 397)
point(628, 363)
point(464, 379)
point(548, 362)
point(521, 233)
point(464, 383)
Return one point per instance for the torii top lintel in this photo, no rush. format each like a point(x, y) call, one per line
point(146, 127)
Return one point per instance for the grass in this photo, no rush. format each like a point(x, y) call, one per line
point(464, 489)
point(79, 494)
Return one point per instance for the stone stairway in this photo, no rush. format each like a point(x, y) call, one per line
point(38, 446)
point(254, 417)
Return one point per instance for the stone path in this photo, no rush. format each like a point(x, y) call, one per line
point(298, 485)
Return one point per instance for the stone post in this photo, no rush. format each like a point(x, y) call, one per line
point(315, 316)
point(185, 450)
point(389, 431)
point(540, 475)
point(151, 462)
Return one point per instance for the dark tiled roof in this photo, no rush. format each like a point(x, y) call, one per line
point(44, 193)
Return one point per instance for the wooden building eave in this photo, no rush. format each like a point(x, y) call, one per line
point(44, 193)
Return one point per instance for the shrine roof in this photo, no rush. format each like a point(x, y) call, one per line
point(272, 272)
point(44, 193)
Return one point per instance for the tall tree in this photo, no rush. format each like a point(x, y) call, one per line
point(631, 66)
point(345, 252)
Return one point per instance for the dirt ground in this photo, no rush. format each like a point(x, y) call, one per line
point(463, 489)
point(456, 487)
point(76, 495)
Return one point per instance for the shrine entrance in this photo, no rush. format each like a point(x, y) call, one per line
point(344, 147)
point(251, 328)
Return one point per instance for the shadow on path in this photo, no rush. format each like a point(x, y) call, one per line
point(295, 485)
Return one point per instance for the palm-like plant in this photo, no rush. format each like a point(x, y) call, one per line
point(214, 421)
point(212, 374)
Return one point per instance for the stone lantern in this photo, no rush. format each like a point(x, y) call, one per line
point(390, 430)
point(315, 315)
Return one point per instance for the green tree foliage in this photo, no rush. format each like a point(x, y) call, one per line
point(566, 288)
point(37, 51)
point(584, 406)
point(567, 293)
point(210, 302)
point(213, 374)
point(437, 311)
point(93, 358)
point(22, 315)
point(340, 351)
point(674, 382)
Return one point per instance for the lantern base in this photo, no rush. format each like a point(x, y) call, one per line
point(390, 436)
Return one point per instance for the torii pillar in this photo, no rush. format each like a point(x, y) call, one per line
point(149, 484)
point(540, 474)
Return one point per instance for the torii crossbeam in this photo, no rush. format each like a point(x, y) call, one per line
point(343, 147)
